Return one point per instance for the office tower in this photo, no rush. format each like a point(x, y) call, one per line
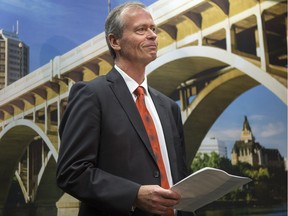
point(14, 58)
point(211, 144)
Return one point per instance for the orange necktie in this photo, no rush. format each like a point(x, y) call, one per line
point(153, 138)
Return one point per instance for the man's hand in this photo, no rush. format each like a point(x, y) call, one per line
point(157, 200)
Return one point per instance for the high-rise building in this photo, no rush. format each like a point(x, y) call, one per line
point(211, 144)
point(14, 58)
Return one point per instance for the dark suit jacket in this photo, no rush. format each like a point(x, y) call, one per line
point(105, 153)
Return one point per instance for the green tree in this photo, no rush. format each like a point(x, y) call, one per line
point(269, 184)
point(214, 160)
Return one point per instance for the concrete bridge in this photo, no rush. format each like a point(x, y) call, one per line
point(210, 51)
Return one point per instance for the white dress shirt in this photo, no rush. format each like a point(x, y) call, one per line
point(132, 85)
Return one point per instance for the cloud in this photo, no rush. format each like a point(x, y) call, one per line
point(272, 129)
point(256, 117)
point(231, 134)
point(24, 6)
point(37, 9)
point(258, 130)
point(262, 127)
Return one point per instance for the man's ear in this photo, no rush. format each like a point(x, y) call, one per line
point(114, 42)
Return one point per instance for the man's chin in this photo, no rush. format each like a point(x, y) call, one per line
point(152, 59)
point(153, 56)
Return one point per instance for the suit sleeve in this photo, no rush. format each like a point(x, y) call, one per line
point(77, 172)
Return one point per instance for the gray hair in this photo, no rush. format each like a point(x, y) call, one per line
point(114, 23)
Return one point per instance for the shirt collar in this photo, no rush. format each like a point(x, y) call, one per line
point(132, 84)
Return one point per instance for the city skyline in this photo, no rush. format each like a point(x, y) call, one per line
point(53, 28)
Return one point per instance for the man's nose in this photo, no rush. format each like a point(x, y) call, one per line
point(151, 34)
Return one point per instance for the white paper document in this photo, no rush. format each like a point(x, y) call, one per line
point(205, 186)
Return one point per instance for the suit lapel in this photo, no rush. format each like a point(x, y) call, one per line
point(165, 120)
point(124, 97)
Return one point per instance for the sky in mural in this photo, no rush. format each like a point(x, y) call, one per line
point(54, 27)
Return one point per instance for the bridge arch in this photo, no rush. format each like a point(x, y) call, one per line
point(178, 65)
point(209, 104)
point(14, 140)
point(240, 75)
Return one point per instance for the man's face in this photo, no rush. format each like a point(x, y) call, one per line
point(139, 40)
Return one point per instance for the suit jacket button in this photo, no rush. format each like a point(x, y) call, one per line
point(156, 174)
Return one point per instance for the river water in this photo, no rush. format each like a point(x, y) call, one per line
point(257, 211)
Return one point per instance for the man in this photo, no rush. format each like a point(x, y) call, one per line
point(106, 159)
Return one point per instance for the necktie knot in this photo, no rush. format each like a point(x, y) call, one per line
point(139, 91)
